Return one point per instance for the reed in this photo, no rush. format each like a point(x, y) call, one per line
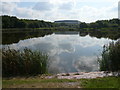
point(25, 62)
point(110, 60)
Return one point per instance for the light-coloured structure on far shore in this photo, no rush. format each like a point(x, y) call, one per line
point(68, 21)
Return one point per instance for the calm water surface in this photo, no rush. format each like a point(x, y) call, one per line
point(68, 52)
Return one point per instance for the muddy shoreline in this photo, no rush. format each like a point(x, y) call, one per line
point(83, 75)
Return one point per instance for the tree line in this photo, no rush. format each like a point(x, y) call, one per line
point(102, 28)
point(112, 23)
point(14, 22)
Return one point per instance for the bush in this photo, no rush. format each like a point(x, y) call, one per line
point(110, 60)
point(26, 62)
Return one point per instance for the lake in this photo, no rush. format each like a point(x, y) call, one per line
point(68, 51)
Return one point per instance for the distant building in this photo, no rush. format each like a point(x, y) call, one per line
point(67, 33)
point(68, 21)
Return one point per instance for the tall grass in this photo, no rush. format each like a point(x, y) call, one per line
point(110, 60)
point(26, 62)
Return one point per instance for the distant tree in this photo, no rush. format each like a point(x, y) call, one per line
point(6, 22)
point(83, 25)
point(93, 25)
point(63, 24)
point(14, 22)
point(99, 24)
point(114, 21)
point(20, 24)
point(105, 24)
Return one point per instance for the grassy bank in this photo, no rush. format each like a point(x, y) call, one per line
point(25, 62)
point(38, 82)
point(106, 82)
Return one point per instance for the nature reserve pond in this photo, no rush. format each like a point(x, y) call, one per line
point(67, 51)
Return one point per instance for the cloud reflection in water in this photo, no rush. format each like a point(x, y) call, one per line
point(68, 53)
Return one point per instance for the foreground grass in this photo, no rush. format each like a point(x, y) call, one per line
point(40, 83)
point(37, 82)
point(106, 82)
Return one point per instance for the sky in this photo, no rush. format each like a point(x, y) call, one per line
point(52, 10)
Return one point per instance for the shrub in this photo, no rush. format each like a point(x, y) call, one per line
point(26, 62)
point(110, 60)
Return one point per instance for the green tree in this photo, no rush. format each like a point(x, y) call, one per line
point(83, 25)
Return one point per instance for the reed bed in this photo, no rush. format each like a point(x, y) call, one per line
point(110, 60)
point(25, 62)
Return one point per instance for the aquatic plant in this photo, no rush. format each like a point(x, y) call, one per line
point(110, 60)
point(25, 62)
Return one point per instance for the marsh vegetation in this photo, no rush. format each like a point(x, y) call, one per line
point(25, 62)
point(110, 60)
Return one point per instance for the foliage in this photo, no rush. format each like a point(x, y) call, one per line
point(14, 22)
point(112, 33)
point(83, 25)
point(26, 62)
point(110, 60)
point(14, 36)
point(104, 23)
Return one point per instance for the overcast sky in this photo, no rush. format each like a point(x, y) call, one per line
point(51, 10)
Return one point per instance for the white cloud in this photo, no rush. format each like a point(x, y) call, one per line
point(43, 6)
point(10, 0)
point(84, 64)
point(119, 10)
point(8, 8)
point(66, 6)
point(60, 0)
point(12, 9)
point(52, 10)
point(28, 13)
point(90, 13)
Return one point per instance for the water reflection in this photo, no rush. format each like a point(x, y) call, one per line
point(67, 32)
point(68, 53)
point(17, 35)
point(86, 63)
